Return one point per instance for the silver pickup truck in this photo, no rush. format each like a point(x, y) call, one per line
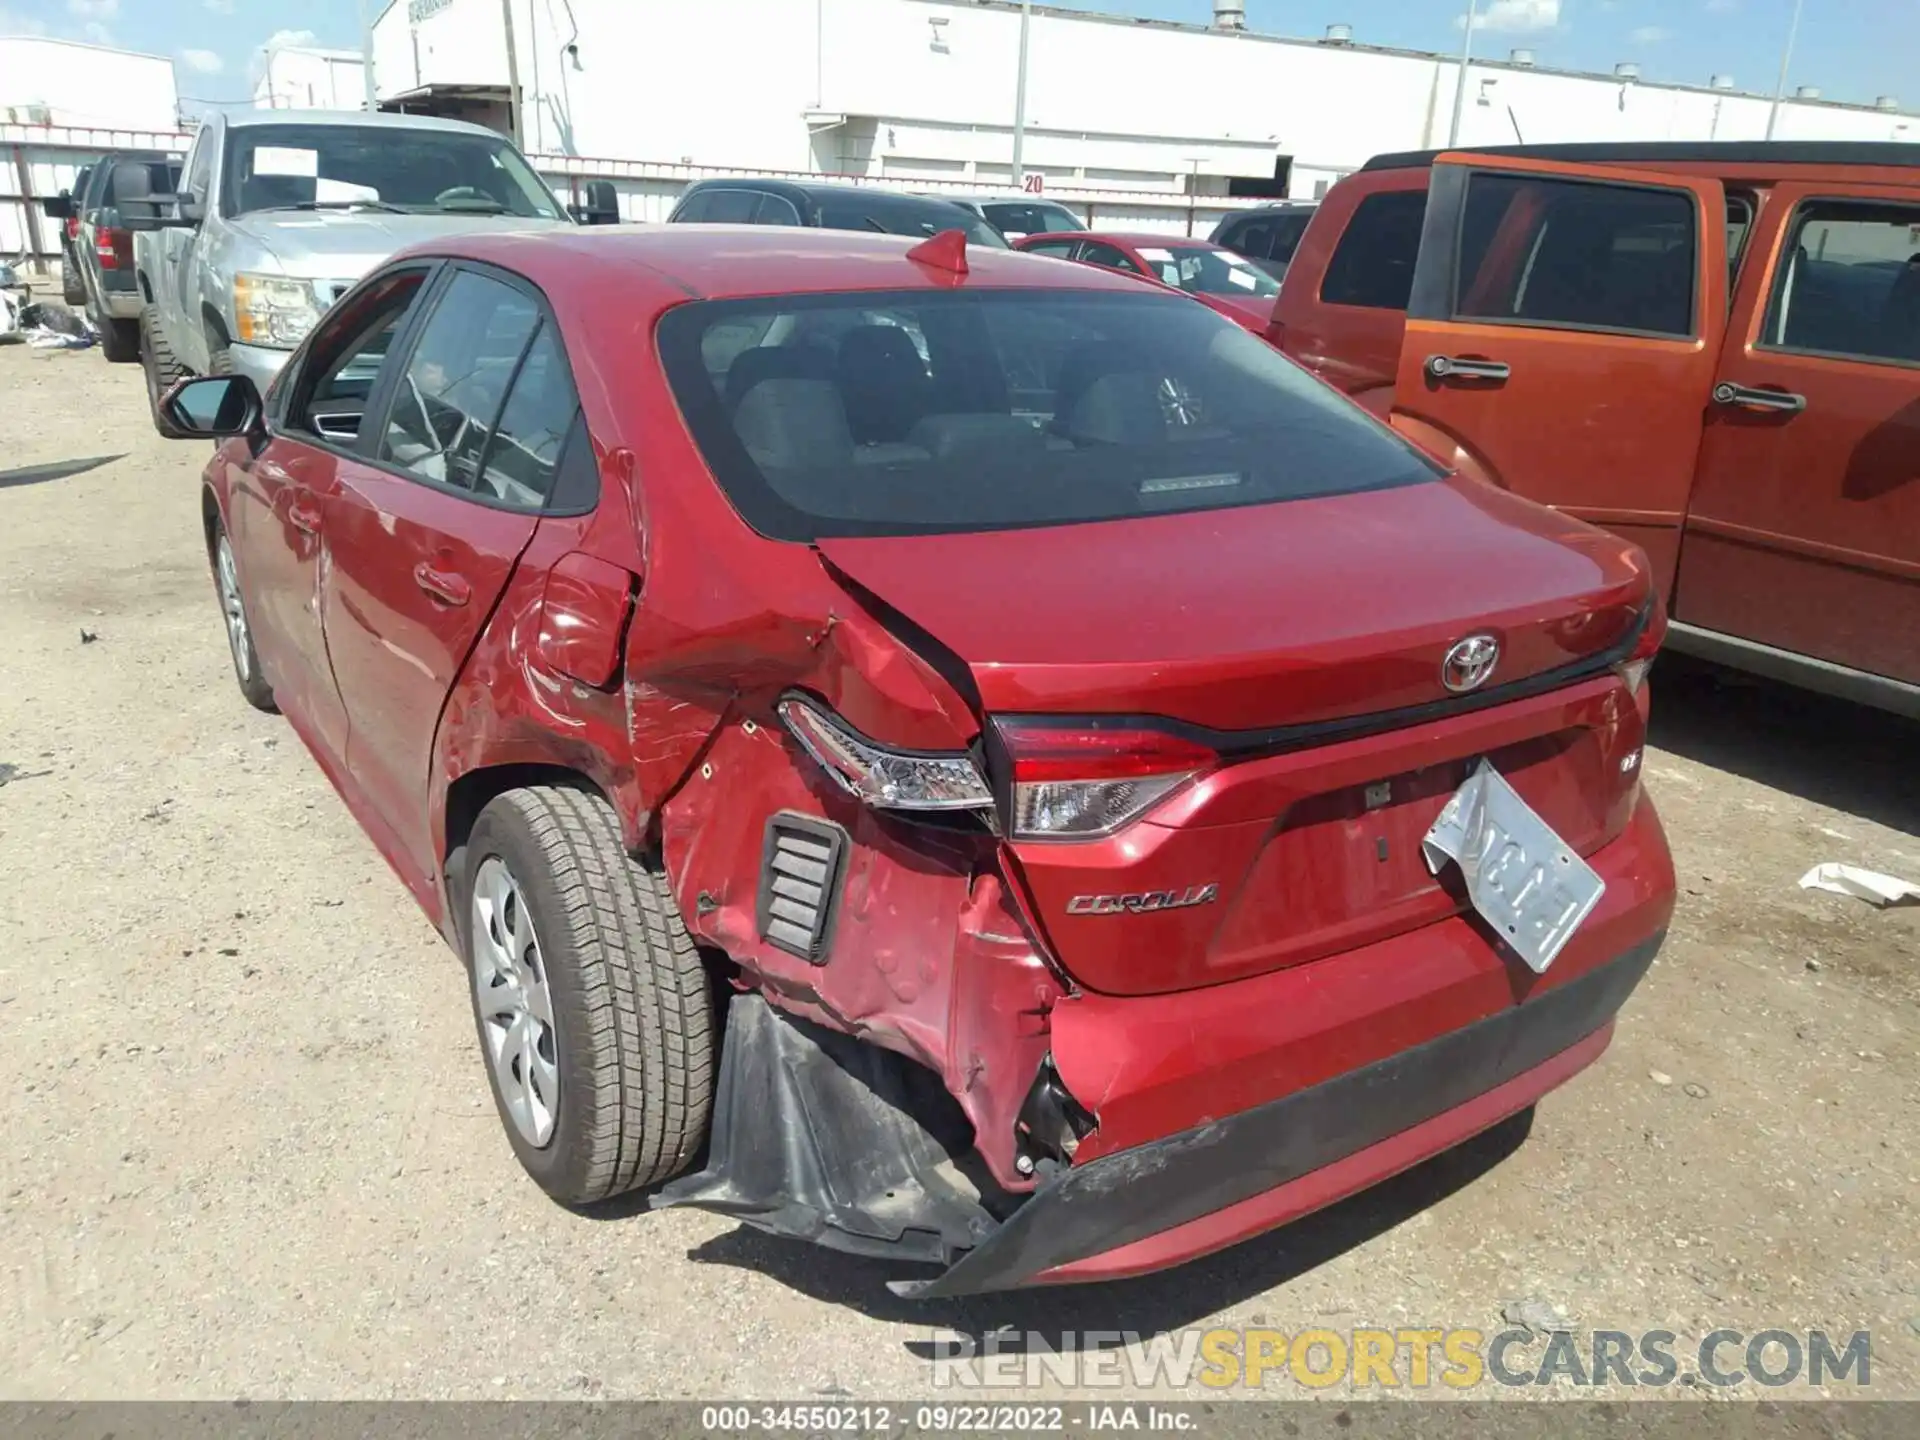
point(280, 212)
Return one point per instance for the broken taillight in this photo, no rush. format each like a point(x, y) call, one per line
point(1653, 631)
point(886, 779)
point(1084, 778)
point(111, 246)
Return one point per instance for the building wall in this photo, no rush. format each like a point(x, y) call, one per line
point(60, 82)
point(924, 90)
point(297, 78)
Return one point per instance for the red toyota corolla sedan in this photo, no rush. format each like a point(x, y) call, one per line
point(990, 753)
point(1212, 274)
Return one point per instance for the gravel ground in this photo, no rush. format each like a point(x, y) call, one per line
point(251, 1150)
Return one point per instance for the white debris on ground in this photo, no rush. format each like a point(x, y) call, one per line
point(1859, 884)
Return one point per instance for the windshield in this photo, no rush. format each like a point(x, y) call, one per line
point(345, 167)
point(899, 414)
point(909, 219)
point(1018, 218)
point(1203, 270)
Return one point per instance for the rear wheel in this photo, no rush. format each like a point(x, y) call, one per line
point(120, 340)
point(592, 1006)
point(73, 289)
point(233, 611)
point(162, 370)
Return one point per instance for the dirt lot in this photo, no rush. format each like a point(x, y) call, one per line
point(250, 1150)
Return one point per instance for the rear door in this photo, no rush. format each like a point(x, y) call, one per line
point(1804, 533)
point(1563, 333)
point(428, 523)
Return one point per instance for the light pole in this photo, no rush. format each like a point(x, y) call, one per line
point(1466, 58)
point(1020, 100)
point(1786, 61)
point(366, 59)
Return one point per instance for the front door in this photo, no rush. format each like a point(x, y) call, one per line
point(428, 526)
point(1562, 336)
point(1805, 529)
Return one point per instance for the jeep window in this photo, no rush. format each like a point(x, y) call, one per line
point(1372, 266)
point(346, 167)
point(1850, 283)
point(913, 413)
point(1575, 254)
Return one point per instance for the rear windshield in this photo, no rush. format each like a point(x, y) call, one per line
point(1206, 270)
point(900, 414)
point(897, 217)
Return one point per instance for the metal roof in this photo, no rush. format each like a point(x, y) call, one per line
point(1659, 152)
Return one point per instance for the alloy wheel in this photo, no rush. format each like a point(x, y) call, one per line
point(514, 1003)
point(233, 609)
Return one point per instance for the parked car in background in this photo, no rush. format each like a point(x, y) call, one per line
point(1711, 349)
point(828, 207)
point(1018, 215)
point(1226, 281)
point(99, 261)
point(278, 213)
point(64, 208)
point(1035, 720)
point(1267, 235)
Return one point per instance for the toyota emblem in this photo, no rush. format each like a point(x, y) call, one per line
point(1469, 663)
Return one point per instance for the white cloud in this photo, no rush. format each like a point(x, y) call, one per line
point(12, 22)
point(1514, 15)
point(93, 9)
point(202, 62)
point(1649, 35)
point(288, 37)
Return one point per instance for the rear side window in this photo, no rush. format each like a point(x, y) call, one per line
point(776, 210)
point(1849, 283)
point(692, 210)
point(1098, 252)
point(899, 414)
point(1060, 248)
point(1016, 218)
point(1372, 266)
point(1287, 230)
point(1586, 256)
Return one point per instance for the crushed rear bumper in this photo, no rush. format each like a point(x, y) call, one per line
point(1159, 1188)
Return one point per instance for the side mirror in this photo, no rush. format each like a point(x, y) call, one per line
point(603, 204)
point(214, 406)
point(60, 207)
point(139, 207)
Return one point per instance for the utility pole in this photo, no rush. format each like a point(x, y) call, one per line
point(1466, 58)
point(366, 59)
point(1786, 61)
point(1020, 101)
point(513, 80)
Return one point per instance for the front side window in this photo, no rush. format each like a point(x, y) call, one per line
point(1373, 264)
point(1205, 270)
point(1098, 252)
point(1060, 249)
point(349, 167)
point(1570, 253)
point(1849, 283)
point(730, 207)
point(327, 397)
point(898, 414)
point(447, 401)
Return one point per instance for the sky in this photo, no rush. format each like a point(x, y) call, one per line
point(1852, 49)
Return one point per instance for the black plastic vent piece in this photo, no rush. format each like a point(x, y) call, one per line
point(800, 868)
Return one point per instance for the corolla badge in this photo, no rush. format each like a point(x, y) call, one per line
point(1144, 903)
point(1469, 663)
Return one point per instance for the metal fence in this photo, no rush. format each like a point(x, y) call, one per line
point(41, 161)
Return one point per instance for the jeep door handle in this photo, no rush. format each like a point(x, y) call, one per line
point(1748, 397)
point(1454, 367)
point(442, 585)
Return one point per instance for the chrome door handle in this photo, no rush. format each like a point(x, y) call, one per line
point(1453, 367)
point(442, 585)
point(1748, 397)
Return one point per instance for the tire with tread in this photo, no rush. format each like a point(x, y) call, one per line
point(73, 289)
point(246, 667)
point(634, 1017)
point(162, 370)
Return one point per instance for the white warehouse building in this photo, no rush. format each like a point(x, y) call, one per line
point(303, 77)
point(922, 93)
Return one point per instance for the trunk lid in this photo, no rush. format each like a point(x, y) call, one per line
point(1244, 626)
